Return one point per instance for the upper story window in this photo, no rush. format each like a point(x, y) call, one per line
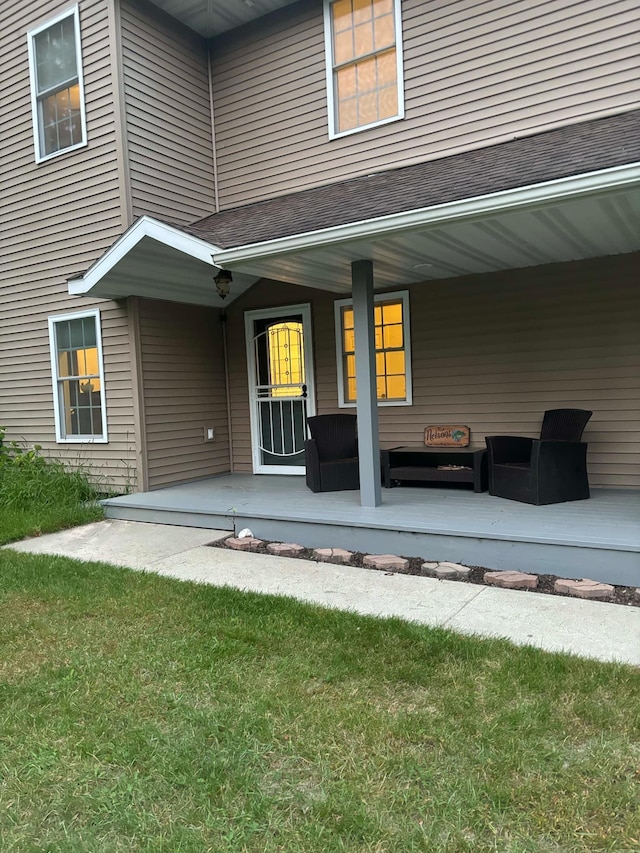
point(363, 42)
point(393, 350)
point(57, 95)
point(78, 377)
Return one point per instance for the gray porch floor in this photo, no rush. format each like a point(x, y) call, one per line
point(597, 538)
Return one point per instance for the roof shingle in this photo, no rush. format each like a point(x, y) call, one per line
point(571, 150)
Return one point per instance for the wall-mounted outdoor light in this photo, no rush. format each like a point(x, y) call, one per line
point(223, 279)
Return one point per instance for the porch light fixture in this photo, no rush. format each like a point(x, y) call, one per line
point(223, 279)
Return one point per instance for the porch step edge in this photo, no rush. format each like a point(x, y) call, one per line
point(619, 567)
point(131, 510)
point(206, 520)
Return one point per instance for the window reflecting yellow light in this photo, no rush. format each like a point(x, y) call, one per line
point(81, 364)
point(392, 336)
point(286, 359)
point(391, 371)
point(392, 312)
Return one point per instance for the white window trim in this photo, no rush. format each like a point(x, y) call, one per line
point(397, 296)
point(35, 112)
point(331, 101)
point(57, 407)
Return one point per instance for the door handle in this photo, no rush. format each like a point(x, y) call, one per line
point(304, 392)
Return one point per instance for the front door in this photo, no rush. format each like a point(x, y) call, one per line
point(281, 387)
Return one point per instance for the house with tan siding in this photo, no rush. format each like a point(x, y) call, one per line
point(219, 219)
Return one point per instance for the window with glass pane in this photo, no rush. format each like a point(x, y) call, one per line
point(78, 377)
point(391, 351)
point(56, 85)
point(364, 62)
point(286, 359)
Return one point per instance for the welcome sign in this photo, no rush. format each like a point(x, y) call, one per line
point(447, 436)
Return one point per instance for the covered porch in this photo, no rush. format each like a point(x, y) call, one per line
point(516, 267)
point(519, 263)
point(597, 538)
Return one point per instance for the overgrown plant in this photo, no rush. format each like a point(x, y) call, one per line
point(29, 480)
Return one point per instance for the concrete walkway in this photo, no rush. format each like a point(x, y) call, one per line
point(586, 628)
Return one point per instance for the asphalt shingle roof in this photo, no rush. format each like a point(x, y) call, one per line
point(571, 150)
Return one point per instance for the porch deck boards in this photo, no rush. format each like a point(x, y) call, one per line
point(598, 537)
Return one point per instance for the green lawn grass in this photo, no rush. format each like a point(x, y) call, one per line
point(138, 713)
point(19, 523)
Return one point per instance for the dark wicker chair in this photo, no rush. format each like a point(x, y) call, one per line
point(331, 454)
point(547, 470)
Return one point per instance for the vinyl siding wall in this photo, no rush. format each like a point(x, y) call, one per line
point(476, 73)
point(494, 352)
point(168, 115)
point(56, 218)
point(182, 368)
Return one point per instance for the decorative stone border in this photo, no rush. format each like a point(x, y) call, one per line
point(390, 563)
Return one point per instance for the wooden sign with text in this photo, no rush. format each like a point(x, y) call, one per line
point(447, 436)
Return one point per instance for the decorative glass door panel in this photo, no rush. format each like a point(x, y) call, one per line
point(281, 388)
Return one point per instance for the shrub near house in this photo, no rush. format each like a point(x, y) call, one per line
point(39, 494)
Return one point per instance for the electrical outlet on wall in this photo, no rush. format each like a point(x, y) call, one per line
point(209, 434)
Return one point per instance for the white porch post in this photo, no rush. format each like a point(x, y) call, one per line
point(367, 400)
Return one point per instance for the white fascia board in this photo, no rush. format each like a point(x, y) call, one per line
point(146, 226)
point(605, 179)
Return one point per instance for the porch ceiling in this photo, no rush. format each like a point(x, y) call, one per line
point(450, 244)
point(212, 17)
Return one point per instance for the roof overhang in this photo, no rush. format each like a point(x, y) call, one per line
point(158, 261)
point(584, 216)
point(213, 17)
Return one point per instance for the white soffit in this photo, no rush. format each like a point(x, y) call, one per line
point(212, 17)
point(573, 219)
point(157, 261)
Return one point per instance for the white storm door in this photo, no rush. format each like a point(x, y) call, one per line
point(281, 387)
